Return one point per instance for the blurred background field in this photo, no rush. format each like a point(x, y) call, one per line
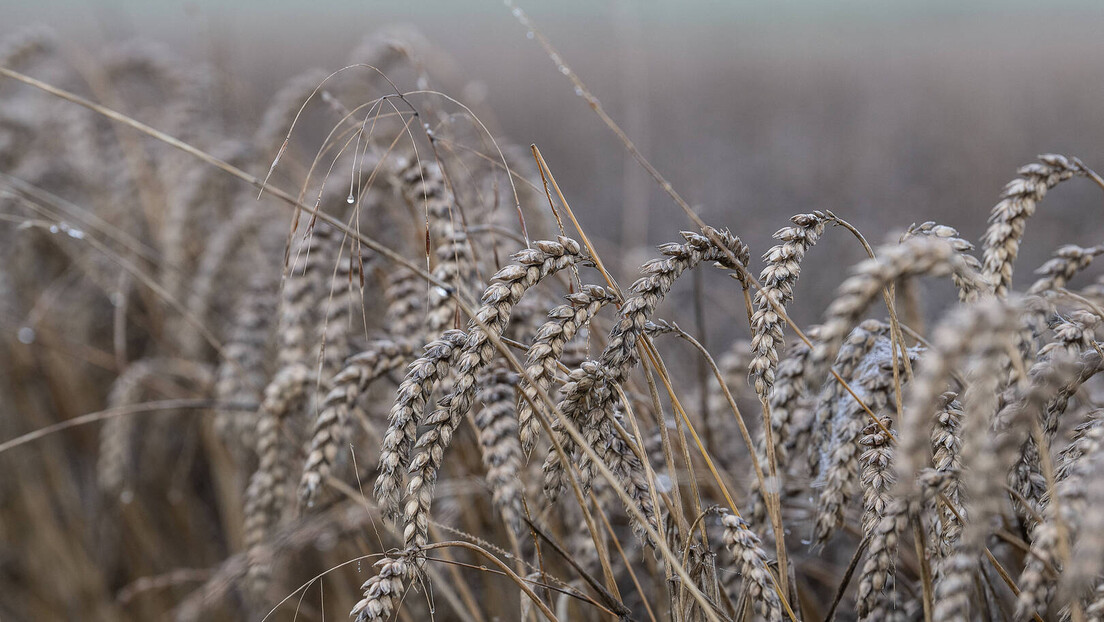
point(884, 112)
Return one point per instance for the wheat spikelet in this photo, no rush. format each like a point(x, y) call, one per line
point(878, 570)
point(778, 279)
point(506, 290)
point(267, 496)
point(751, 563)
point(383, 592)
point(205, 193)
point(1076, 507)
point(792, 420)
point(1054, 381)
point(1072, 333)
point(1081, 444)
point(548, 349)
point(498, 440)
point(954, 588)
point(331, 425)
point(1073, 512)
point(988, 453)
point(1001, 242)
point(1066, 262)
point(876, 475)
point(914, 257)
point(1083, 492)
point(833, 397)
point(1094, 611)
point(406, 414)
point(946, 442)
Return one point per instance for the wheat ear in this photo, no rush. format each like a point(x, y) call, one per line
point(406, 414)
point(506, 290)
point(778, 280)
point(1020, 197)
point(498, 440)
point(547, 350)
point(751, 562)
point(586, 393)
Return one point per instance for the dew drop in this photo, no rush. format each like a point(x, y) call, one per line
point(54, 229)
point(564, 70)
point(579, 91)
point(350, 199)
point(126, 497)
point(516, 12)
point(529, 35)
point(26, 335)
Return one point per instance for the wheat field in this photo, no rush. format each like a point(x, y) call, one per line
point(365, 361)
